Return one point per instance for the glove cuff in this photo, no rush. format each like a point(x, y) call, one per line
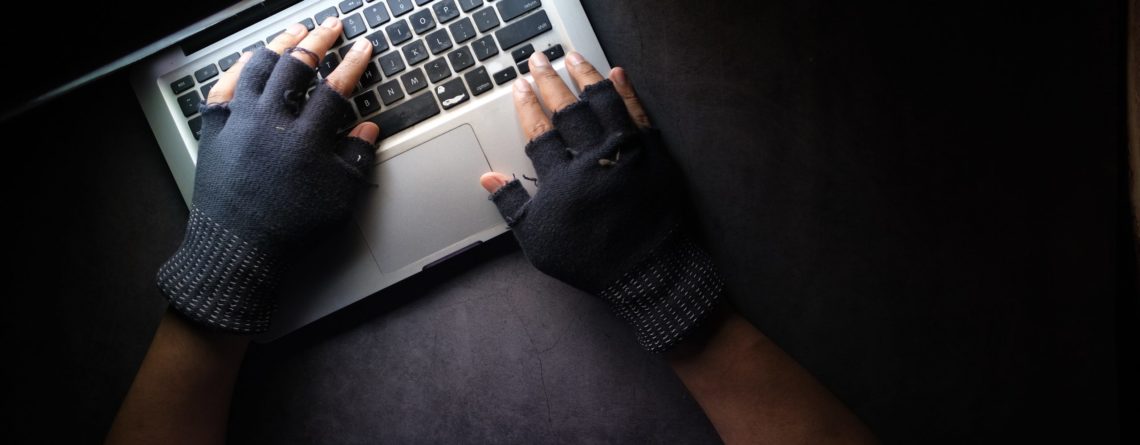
point(668, 294)
point(219, 280)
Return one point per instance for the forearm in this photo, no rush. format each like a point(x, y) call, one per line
point(182, 391)
point(753, 392)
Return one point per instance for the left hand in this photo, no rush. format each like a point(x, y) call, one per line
point(272, 173)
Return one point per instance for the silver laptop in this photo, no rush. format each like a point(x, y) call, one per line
point(446, 114)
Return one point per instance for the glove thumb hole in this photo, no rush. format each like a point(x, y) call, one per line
point(512, 200)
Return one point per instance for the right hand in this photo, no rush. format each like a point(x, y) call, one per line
point(609, 215)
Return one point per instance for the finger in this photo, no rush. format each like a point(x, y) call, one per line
point(583, 73)
point(319, 41)
point(366, 131)
point(493, 181)
point(223, 91)
point(343, 79)
point(288, 39)
point(555, 94)
point(359, 148)
point(629, 95)
point(531, 117)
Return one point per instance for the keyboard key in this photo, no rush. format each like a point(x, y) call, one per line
point(522, 53)
point(468, 5)
point(376, 15)
point(206, 89)
point(379, 43)
point(400, 7)
point(414, 81)
point(510, 9)
point(196, 127)
point(523, 30)
point(452, 93)
point(463, 30)
point(405, 115)
point(390, 92)
point(366, 103)
point(183, 84)
point(524, 67)
point(328, 64)
point(228, 61)
point(353, 26)
point(391, 63)
point(484, 48)
point(253, 47)
point(479, 81)
point(486, 19)
point(439, 41)
point(344, 50)
point(422, 21)
point(207, 72)
point(460, 59)
point(270, 37)
point(399, 32)
point(437, 70)
point(308, 24)
point(445, 11)
point(423, 2)
point(189, 103)
point(415, 52)
point(505, 75)
point(371, 75)
point(350, 5)
point(554, 53)
point(324, 14)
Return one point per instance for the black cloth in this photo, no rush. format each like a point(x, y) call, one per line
point(272, 174)
point(610, 217)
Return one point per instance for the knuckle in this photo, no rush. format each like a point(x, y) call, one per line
point(539, 128)
point(337, 82)
point(587, 69)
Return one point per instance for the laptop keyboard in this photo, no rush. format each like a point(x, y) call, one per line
point(416, 44)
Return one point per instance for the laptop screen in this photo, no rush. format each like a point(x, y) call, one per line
point(67, 40)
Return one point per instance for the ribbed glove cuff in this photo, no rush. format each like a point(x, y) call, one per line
point(667, 295)
point(219, 280)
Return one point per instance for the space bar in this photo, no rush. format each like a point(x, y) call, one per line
point(405, 115)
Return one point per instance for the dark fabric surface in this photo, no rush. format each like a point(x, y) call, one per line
point(921, 203)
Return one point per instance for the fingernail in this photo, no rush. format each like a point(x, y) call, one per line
point(330, 22)
point(575, 58)
point(539, 60)
point(522, 87)
point(367, 132)
point(360, 45)
point(295, 29)
point(619, 77)
point(498, 181)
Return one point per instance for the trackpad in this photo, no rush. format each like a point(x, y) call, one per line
point(428, 198)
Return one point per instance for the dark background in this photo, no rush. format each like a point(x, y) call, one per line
point(923, 204)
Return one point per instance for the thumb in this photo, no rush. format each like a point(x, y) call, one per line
point(508, 195)
point(493, 181)
point(359, 148)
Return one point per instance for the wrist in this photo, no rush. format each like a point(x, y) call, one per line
point(220, 281)
point(668, 294)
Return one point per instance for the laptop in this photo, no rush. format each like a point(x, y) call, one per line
point(440, 89)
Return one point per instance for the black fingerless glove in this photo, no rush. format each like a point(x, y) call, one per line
point(608, 218)
point(272, 171)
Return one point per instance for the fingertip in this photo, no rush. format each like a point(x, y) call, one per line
point(619, 77)
point(367, 131)
point(493, 181)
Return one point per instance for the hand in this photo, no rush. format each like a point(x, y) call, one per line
point(272, 172)
point(609, 216)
